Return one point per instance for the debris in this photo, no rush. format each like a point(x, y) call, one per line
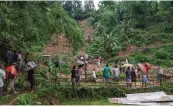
point(154, 98)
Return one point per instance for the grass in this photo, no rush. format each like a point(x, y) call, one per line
point(6, 99)
point(103, 101)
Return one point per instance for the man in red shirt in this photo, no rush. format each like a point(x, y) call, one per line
point(11, 75)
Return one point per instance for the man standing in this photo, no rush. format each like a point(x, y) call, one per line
point(107, 74)
point(9, 57)
point(2, 77)
point(15, 56)
point(128, 77)
point(73, 75)
point(19, 61)
point(31, 79)
point(116, 73)
point(79, 74)
point(11, 75)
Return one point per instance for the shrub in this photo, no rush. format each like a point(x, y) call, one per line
point(162, 62)
point(26, 99)
point(141, 58)
point(160, 54)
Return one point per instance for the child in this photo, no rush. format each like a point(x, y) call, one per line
point(159, 75)
point(94, 76)
point(144, 80)
point(98, 62)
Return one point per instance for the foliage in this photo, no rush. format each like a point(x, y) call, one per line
point(6, 99)
point(64, 93)
point(140, 58)
point(28, 26)
point(103, 101)
point(140, 23)
point(162, 54)
point(26, 99)
point(77, 10)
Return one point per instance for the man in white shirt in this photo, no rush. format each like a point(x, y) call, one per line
point(2, 77)
point(116, 73)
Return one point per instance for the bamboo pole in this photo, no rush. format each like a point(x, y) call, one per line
point(153, 75)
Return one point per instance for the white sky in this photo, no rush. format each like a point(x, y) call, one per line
point(97, 1)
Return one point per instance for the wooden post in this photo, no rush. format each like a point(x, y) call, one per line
point(153, 76)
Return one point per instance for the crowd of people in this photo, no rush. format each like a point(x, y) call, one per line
point(14, 69)
point(132, 75)
point(15, 64)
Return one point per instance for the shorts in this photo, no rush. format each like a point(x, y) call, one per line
point(160, 77)
point(144, 79)
point(115, 78)
point(133, 80)
point(107, 79)
point(128, 81)
point(11, 84)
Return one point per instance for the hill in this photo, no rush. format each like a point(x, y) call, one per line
point(123, 29)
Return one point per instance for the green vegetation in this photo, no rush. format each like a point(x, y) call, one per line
point(161, 55)
point(67, 95)
point(76, 10)
point(28, 26)
point(103, 101)
point(139, 23)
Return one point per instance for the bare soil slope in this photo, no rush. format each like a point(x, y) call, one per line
point(58, 45)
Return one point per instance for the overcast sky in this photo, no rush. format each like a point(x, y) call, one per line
point(95, 3)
